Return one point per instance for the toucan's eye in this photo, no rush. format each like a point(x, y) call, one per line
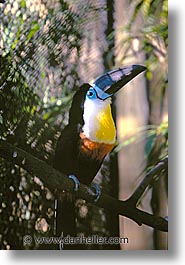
point(91, 93)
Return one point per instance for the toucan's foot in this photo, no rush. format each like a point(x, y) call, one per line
point(76, 182)
point(66, 195)
point(97, 192)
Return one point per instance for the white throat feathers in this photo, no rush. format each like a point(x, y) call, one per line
point(98, 122)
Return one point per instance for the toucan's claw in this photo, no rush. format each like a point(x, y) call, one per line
point(76, 182)
point(97, 190)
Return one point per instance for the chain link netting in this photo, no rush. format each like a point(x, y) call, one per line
point(47, 49)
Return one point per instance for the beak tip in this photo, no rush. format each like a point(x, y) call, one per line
point(140, 68)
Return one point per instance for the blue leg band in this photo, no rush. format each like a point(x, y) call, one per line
point(76, 182)
point(97, 191)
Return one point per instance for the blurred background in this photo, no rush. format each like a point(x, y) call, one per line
point(47, 50)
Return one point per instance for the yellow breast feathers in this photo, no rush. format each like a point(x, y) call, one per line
point(99, 125)
point(106, 131)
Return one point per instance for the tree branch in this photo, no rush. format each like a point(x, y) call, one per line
point(150, 176)
point(53, 180)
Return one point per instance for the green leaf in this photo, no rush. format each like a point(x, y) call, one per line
point(150, 143)
point(34, 29)
point(23, 4)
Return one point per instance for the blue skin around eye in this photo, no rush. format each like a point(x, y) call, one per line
point(93, 96)
point(97, 93)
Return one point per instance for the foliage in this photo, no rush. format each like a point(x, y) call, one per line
point(154, 34)
point(153, 40)
point(38, 44)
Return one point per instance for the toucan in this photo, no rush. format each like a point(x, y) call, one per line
point(89, 136)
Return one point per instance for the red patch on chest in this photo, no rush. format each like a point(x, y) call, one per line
point(94, 150)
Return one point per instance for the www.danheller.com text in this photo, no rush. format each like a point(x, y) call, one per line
point(69, 240)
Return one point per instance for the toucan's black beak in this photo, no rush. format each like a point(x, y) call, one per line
point(109, 83)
